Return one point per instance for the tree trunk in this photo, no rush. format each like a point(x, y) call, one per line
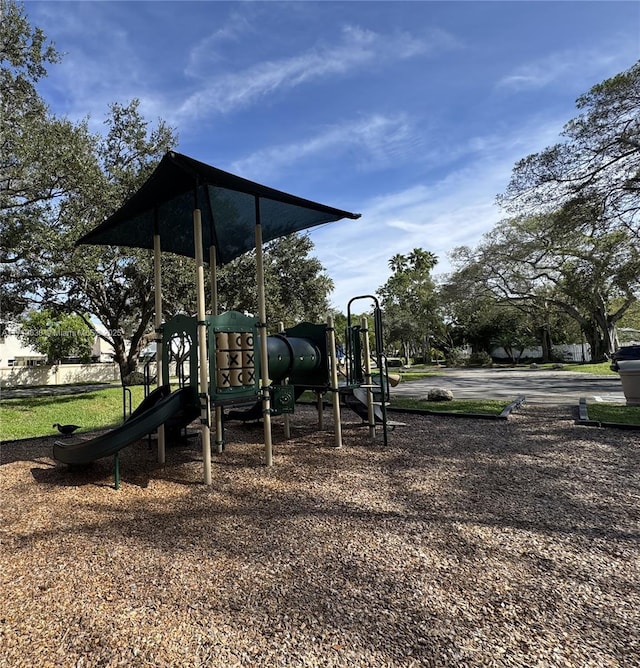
point(612, 338)
point(509, 352)
point(596, 342)
point(405, 352)
point(125, 362)
point(546, 344)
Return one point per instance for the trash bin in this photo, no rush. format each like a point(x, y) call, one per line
point(626, 361)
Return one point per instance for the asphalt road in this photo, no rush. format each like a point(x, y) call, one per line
point(537, 385)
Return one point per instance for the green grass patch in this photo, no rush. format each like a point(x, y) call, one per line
point(600, 369)
point(482, 406)
point(308, 396)
point(602, 412)
point(32, 417)
point(416, 374)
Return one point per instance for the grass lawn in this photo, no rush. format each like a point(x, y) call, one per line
point(33, 416)
point(614, 413)
point(600, 369)
point(483, 406)
point(417, 374)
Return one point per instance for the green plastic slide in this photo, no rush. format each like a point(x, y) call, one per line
point(182, 403)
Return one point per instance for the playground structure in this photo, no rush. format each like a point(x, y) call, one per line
point(200, 211)
point(299, 358)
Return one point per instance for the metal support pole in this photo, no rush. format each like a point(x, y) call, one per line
point(286, 416)
point(116, 472)
point(364, 328)
point(319, 409)
point(203, 385)
point(264, 359)
point(157, 276)
point(335, 397)
point(213, 277)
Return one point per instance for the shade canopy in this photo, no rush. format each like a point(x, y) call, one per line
point(230, 208)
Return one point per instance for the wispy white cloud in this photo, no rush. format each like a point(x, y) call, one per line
point(590, 64)
point(90, 78)
point(209, 51)
point(454, 210)
point(377, 139)
point(356, 48)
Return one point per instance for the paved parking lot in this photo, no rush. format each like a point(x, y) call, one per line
point(537, 385)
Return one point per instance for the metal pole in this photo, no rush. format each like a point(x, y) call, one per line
point(364, 325)
point(262, 326)
point(203, 385)
point(157, 277)
point(319, 409)
point(335, 397)
point(116, 472)
point(286, 416)
point(213, 277)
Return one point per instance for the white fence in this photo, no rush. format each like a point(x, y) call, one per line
point(58, 374)
point(570, 352)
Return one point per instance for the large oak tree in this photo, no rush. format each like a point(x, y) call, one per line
point(58, 181)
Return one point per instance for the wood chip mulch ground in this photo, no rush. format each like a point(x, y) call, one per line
point(463, 543)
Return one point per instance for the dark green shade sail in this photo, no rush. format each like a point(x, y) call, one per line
point(229, 205)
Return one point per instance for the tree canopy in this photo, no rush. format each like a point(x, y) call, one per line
point(58, 181)
point(297, 286)
point(42, 158)
point(409, 302)
point(598, 159)
point(57, 337)
point(571, 244)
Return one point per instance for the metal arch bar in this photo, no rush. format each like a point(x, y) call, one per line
point(383, 375)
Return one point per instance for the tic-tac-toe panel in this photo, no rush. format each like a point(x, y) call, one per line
point(233, 356)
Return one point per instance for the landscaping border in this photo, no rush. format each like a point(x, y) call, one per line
point(503, 415)
point(583, 419)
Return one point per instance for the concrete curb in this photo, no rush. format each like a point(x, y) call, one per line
point(583, 419)
point(504, 415)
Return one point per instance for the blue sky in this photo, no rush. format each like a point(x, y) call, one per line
point(411, 113)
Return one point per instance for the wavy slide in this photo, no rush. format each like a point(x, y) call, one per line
point(158, 408)
point(357, 402)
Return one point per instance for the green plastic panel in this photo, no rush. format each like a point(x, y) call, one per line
point(180, 332)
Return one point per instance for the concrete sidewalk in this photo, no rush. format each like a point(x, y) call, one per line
point(52, 390)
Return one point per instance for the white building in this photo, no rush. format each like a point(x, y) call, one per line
point(13, 352)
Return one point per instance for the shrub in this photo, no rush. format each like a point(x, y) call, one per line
point(134, 378)
point(455, 357)
point(480, 359)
